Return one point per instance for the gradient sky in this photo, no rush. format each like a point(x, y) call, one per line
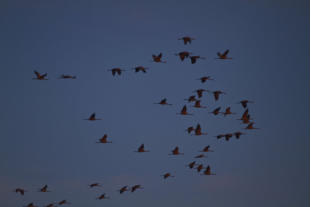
point(44, 139)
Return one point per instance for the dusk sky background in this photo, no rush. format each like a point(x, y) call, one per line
point(44, 139)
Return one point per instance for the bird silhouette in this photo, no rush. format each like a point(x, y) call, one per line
point(123, 189)
point(190, 129)
point(216, 94)
point(220, 136)
point(207, 171)
point(227, 111)
point(198, 131)
point(20, 190)
point(184, 111)
point(205, 78)
point(167, 175)
point(197, 104)
point(199, 168)
point(183, 55)
point(67, 77)
point(164, 102)
point(63, 202)
point(191, 99)
point(31, 205)
point(92, 117)
point(104, 140)
point(115, 71)
point(186, 39)
point(140, 68)
point(141, 148)
point(44, 189)
point(195, 58)
point(216, 111)
point(135, 187)
point(191, 165)
point(237, 134)
point(228, 136)
point(175, 151)
point(40, 76)
point(223, 56)
point(94, 185)
point(250, 126)
point(102, 196)
point(200, 92)
point(245, 102)
point(200, 156)
point(51, 205)
point(157, 58)
point(207, 149)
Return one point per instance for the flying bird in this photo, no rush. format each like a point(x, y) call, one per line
point(199, 168)
point(200, 92)
point(157, 58)
point(186, 39)
point(20, 190)
point(40, 76)
point(164, 102)
point(205, 78)
point(191, 99)
point(198, 131)
point(216, 111)
point(220, 136)
point(198, 104)
point(250, 126)
point(195, 58)
point(67, 77)
point(238, 134)
point(141, 148)
point(245, 102)
point(115, 71)
point(135, 187)
point(140, 68)
point(227, 111)
point(44, 189)
point(94, 185)
point(207, 149)
point(191, 165)
point(190, 129)
point(208, 171)
point(167, 175)
point(183, 55)
point(200, 156)
point(228, 136)
point(123, 189)
point(31, 205)
point(223, 56)
point(92, 117)
point(184, 111)
point(217, 93)
point(51, 205)
point(175, 151)
point(104, 140)
point(102, 196)
point(63, 202)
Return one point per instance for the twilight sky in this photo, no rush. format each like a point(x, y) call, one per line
point(44, 139)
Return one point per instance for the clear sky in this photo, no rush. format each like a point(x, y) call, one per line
point(44, 139)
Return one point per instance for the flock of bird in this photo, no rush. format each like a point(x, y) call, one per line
point(193, 130)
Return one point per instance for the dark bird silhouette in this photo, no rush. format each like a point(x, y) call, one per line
point(175, 151)
point(20, 190)
point(217, 93)
point(63, 202)
point(141, 148)
point(39, 76)
point(223, 56)
point(238, 134)
point(183, 55)
point(245, 117)
point(197, 104)
point(227, 111)
point(200, 92)
point(198, 131)
point(44, 189)
point(51, 205)
point(67, 77)
point(195, 58)
point(191, 99)
point(31, 205)
point(205, 78)
point(207, 171)
point(184, 111)
point(216, 111)
point(199, 168)
point(115, 71)
point(123, 189)
point(220, 136)
point(186, 39)
point(200, 156)
point(164, 102)
point(191, 165)
point(207, 149)
point(228, 136)
point(94, 185)
point(157, 58)
point(140, 68)
point(104, 140)
point(167, 175)
point(92, 117)
point(190, 129)
point(102, 196)
point(135, 187)
point(245, 102)
point(250, 126)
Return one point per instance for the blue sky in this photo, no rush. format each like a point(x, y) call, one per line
point(44, 139)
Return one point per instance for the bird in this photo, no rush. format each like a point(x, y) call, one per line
point(200, 92)
point(217, 93)
point(220, 136)
point(51, 205)
point(104, 140)
point(92, 117)
point(63, 202)
point(183, 55)
point(245, 117)
point(20, 190)
point(31, 205)
point(191, 99)
point(102, 196)
point(157, 58)
point(67, 77)
point(141, 148)
point(223, 56)
point(198, 104)
point(190, 129)
point(195, 58)
point(250, 126)
point(205, 78)
point(115, 71)
point(227, 111)
point(175, 151)
point(184, 111)
point(164, 102)
point(135, 187)
point(206, 149)
point(228, 136)
point(197, 131)
point(186, 39)
point(39, 76)
point(216, 111)
point(207, 171)
point(140, 68)
point(44, 189)
point(244, 103)
point(94, 185)
point(199, 168)
point(167, 175)
point(200, 156)
point(237, 134)
point(191, 165)
point(123, 189)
